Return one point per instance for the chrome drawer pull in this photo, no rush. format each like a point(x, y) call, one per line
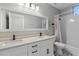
point(34, 51)
point(34, 46)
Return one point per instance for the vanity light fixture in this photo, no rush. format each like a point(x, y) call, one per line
point(32, 6)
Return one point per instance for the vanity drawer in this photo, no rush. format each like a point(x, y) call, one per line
point(33, 45)
point(33, 49)
point(14, 51)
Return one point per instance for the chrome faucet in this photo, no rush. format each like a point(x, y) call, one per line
point(13, 36)
point(40, 34)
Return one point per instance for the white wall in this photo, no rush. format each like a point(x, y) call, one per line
point(70, 30)
point(65, 12)
point(50, 12)
point(45, 9)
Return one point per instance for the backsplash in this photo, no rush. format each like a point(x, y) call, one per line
point(5, 36)
point(18, 35)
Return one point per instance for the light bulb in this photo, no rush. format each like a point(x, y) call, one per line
point(27, 5)
point(32, 6)
point(37, 8)
point(21, 4)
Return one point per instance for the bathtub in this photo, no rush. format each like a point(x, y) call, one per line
point(71, 49)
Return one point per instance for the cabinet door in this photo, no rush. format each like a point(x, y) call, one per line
point(16, 51)
point(46, 47)
point(33, 49)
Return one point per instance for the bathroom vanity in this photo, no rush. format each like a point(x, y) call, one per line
point(33, 46)
point(18, 19)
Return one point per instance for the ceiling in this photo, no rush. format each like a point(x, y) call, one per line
point(61, 6)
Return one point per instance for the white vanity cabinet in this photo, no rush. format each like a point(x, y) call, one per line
point(14, 51)
point(41, 48)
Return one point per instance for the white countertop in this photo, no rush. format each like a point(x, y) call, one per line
point(11, 43)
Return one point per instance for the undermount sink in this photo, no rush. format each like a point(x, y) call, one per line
point(4, 43)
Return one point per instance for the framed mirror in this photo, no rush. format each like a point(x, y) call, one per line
point(16, 21)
